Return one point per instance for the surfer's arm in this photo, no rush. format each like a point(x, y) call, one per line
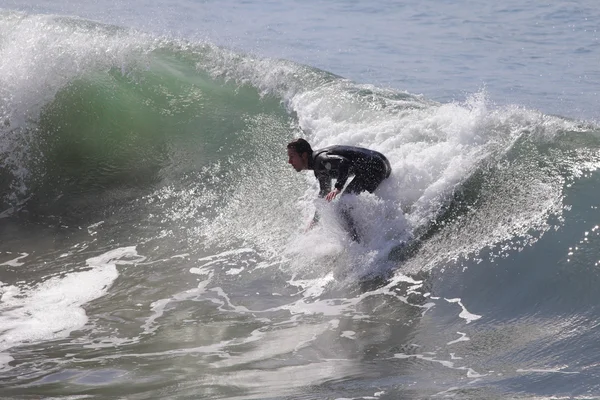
point(324, 189)
point(343, 170)
point(324, 184)
point(342, 166)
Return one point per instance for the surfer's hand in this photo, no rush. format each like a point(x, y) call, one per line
point(332, 194)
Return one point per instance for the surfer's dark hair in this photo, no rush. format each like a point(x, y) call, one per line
point(300, 146)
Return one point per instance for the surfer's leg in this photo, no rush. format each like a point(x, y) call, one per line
point(348, 221)
point(368, 181)
point(357, 186)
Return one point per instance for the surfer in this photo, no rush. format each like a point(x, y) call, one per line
point(369, 168)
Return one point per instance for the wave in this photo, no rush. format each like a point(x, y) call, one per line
point(94, 115)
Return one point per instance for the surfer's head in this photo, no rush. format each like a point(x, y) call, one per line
point(299, 154)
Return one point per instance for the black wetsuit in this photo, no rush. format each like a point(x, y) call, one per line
point(369, 168)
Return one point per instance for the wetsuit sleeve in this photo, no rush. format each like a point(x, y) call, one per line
point(324, 184)
point(343, 167)
point(324, 188)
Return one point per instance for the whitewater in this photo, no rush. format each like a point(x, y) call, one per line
point(153, 238)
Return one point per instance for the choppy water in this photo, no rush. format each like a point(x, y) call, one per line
point(152, 238)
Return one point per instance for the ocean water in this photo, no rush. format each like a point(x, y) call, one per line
point(152, 234)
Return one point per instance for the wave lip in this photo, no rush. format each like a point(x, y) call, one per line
point(40, 56)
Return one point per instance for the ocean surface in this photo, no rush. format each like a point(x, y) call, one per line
point(153, 239)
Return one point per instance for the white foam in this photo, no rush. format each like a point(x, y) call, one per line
point(234, 271)
point(274, 343)
point(53, 309)
point(5, 359)
point(462, 338)
point(464, 314)
point(433, 149)
point(546, 371)
point(348, 335)
point(448, 364)
point(15, 262)
point(92, 228)
point(327, 247)
point(158, 307)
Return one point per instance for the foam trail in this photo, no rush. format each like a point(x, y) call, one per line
point(53, 309)
point(464, 314)
point(15, 262)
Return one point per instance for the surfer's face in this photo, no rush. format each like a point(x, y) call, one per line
point(299, 162)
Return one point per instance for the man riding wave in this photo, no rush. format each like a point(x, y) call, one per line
point(368, 167)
